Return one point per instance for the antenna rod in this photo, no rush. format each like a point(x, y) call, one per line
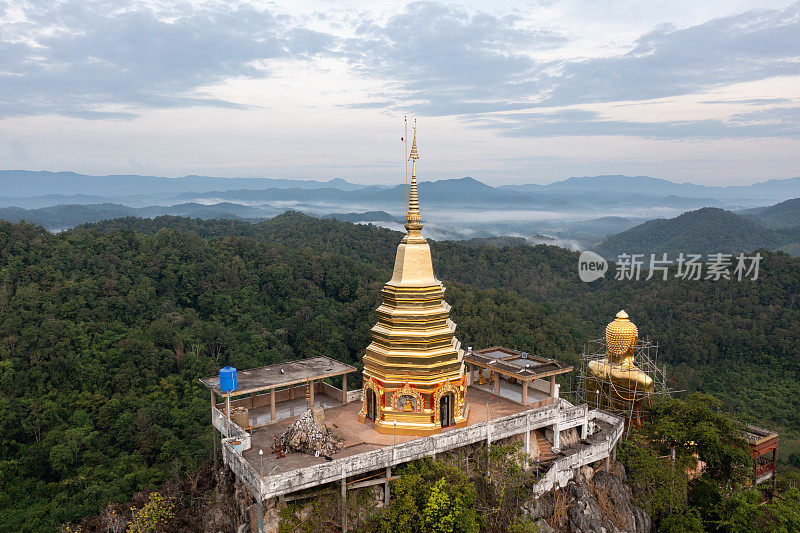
point(405, 156)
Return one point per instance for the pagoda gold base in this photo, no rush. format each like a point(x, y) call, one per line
point(397, 426)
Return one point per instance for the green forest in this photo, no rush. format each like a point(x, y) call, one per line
point(105, 330)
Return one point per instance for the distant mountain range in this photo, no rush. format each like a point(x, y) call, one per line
point(704, 231)
point(34, 189)
point(601, 212)
point(369, 216)
point(771, 190)
point(26, 183)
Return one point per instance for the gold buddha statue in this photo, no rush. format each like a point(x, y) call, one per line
point(615, 382)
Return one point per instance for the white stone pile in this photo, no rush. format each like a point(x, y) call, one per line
point(309, 434)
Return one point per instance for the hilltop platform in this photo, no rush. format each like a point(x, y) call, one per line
point(502, 409)
point(359, 438)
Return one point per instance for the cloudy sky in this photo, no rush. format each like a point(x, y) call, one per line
point(507, 92)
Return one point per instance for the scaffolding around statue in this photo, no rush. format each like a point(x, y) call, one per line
point(611, 392)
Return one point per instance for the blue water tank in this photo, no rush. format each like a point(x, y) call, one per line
point(227, 379)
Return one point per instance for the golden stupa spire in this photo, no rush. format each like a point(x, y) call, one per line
point(413, 217)
point(413, 377)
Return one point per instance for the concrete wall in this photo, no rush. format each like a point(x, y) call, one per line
point(354, 395)
point(390, 456)
point(542, 385)
point(564, 469)
point(229, 430)
point(330, 390)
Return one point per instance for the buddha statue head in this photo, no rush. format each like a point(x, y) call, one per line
point(621, 336)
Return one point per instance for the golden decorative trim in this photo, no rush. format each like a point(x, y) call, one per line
point(408, 390)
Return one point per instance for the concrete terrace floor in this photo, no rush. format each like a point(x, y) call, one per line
point(359, 438)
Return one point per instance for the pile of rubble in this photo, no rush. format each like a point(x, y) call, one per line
point(309, 434)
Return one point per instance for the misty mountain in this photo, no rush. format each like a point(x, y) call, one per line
point(51, 200)
point(464, 193)
point(783, 215)
point(369, 216)
point(577, 212)
point(24, 183)
point(40, 189)
point(704, 231)
point(768, 191)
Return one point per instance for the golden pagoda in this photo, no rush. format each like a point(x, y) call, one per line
point(414, 379)
point(615, 382)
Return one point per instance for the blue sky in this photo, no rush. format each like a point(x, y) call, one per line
point(507, 92)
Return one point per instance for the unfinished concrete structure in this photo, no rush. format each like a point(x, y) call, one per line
point(517, 374)
point(368, 456)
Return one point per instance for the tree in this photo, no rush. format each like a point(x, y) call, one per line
point(688, 522)
point(658, 486)
point(698, 424)
point(429, 497)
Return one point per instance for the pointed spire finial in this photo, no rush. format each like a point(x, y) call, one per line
point(414, 152)
point(413, 217)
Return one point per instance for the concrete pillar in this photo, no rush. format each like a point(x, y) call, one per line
point(525, 392)
point(608, 463)
point(552, 386)
point(556, 438)
point(386, 494)
point(311, 393)
point(214, 436)
point(344, 502)
point(260, 513)
point(228, 415)
point(272, 404)
point(344, 388)
point(527, 435)
point(584, 431)
point(497, 383)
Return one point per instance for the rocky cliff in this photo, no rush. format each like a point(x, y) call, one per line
point(591, 503)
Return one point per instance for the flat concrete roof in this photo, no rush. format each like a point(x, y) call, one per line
point(515, 363)
point(281, 375)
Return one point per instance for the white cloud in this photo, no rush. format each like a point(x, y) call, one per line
point(311, 89)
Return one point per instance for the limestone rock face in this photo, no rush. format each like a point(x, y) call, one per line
point(592, 503)
point(585, 515)
point(619, 496)
point(569, 438)
point(309, 434)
